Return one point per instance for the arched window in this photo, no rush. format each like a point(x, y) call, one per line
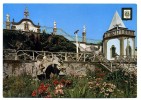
point(113, 51)
point(128, 51)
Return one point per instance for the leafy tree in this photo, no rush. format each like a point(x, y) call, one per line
point(20, 41)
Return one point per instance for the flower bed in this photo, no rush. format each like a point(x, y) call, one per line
point(99, 84)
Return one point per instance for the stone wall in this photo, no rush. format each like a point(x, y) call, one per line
point(16, 68)
point(78, 69)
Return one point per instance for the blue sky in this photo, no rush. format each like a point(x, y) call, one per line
point(70, 17)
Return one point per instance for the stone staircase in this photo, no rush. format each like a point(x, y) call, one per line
point(124, 63)
point(104, 62)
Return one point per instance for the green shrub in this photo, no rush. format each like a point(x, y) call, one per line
point(124, 81)
point(20, 86)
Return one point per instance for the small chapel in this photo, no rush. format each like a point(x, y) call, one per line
point(118, 40)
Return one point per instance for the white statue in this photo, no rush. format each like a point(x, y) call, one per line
point(7, 18)
point(54, 24)
point(84, 28)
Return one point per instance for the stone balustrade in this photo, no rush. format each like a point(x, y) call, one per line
point(118, 33)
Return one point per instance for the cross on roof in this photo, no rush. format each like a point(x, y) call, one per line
point(26, 13)
point(117, 25)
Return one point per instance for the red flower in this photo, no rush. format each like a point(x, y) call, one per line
point(63, 81)
point(42, 85)
point(43, 88)
point(55, 82)
point(40, 90)
point(47, 85)
point(34, 93)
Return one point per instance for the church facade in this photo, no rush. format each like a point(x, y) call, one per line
point(24, 24)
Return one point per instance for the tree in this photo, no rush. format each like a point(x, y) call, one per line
point(53, 43)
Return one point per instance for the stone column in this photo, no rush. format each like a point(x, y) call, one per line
point(84, 37)
point(54, 31)
point(133, 49)
point(54, 28)
point(121, 46)
point(105, 48)
point(84, 34)
point(7, 25)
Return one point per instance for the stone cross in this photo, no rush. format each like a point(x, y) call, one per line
point(26, 13)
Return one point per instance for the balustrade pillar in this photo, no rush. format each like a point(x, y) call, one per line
point(52, 55)
point(84, 57)
point(16, 56)
point(111, 67)
point(66, 56)
point(33, 56)
point(44, 54)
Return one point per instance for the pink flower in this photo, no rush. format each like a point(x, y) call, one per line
point(59, 86)
point(59, 91)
